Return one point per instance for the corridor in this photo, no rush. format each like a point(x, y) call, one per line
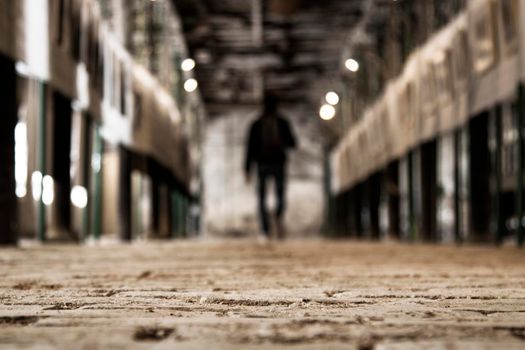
point(262, 174)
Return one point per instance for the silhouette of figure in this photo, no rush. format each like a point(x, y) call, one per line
point(269, 139)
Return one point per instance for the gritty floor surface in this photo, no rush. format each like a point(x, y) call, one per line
point(239, 295)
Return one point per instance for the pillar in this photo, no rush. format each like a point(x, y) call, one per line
point(61, 166)
point(392, 188)
point(124, 194)
point(8, 120)
point(429, 191)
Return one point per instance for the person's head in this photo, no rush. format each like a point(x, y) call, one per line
point(270, 103)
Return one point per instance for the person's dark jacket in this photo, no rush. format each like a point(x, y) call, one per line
point(269, 139)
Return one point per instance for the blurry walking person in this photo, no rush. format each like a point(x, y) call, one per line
point(269, 139)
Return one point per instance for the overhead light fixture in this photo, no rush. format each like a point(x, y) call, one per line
point(188, 65)
point(332, 98)
point(327, 112)
point(352, 65)
point(191, 85)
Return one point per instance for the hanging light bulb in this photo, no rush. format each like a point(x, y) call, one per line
point(327, 112)
point(191, 85)
point(352, 65)
point(187, 65)
point(332, 98)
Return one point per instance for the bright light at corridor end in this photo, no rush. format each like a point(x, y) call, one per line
point(191, 85)
point(79, 197)
point(187, 65)
point(352, 65)
point(327, 112)
point(332, 98)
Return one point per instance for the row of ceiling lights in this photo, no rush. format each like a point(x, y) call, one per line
point(327, 111)
point(190, 85)
point(331, 100)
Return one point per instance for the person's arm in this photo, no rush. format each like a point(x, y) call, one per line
point(250, 149)
point(289, 135)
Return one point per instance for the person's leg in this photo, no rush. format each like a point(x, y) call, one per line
point(280, 188)
point(263, 212)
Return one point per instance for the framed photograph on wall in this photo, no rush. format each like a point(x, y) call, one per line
point(483, 37)
point(443, 76)
point(428, 90)
point(461, 64)
point(508, 10)
point(410, 103)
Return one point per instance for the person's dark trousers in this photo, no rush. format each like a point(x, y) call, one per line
point(278, 174)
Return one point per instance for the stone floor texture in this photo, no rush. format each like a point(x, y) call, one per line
point(241, 295)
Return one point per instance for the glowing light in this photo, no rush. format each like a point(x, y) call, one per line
point(21, 155)
point(96, 162)
point(327, 112)
point(21, 191)
point(48, 190)
point(188, 65)
point(191, 85)
point(79, 197)
point(36, 17)
point(332, 98)
point(36, 185)
point(22, 69)
point(352, 65)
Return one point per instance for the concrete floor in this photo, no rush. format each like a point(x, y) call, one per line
point(299, 295)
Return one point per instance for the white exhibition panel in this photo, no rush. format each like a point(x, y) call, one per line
point(36, 54)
